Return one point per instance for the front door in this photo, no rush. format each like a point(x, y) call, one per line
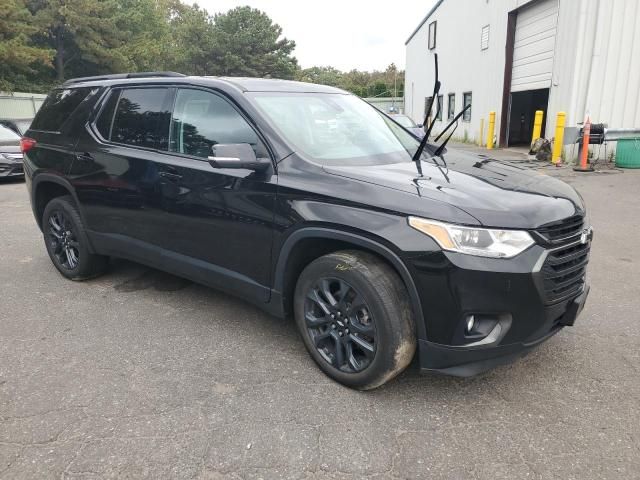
point(217, 218)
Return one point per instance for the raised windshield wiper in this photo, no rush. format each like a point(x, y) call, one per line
point(423, 143)
point(440, 149)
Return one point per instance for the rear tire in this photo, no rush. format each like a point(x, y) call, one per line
point(354, 316)
point(67, 243)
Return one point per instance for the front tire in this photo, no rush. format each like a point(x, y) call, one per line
point(67, 243)
point(354, 316)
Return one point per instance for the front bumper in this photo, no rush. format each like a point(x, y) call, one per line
point(468, 361)
point(10, 168)
point(514, 293)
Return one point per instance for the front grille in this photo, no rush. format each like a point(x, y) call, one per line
point(564, 271)
point(563, 231)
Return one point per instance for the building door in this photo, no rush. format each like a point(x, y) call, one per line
point(532, 68)
point(522, 114)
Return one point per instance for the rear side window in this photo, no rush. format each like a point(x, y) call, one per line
point(203, 119)
point(141, 119)
point(57, 108)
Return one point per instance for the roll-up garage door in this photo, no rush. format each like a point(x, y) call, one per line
point(535, 40)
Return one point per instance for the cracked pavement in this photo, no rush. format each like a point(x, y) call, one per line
point(140, 374)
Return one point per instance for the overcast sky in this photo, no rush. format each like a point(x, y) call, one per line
point(345, 34)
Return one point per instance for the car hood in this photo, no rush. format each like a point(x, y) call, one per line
point(496, 193)
point(9, 147)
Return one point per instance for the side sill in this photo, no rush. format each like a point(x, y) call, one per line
point(190, 268)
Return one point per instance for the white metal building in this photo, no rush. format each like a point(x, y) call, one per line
point(516, 56)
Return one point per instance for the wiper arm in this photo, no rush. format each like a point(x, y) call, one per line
point(423, 143)
point(455, 119)
point(440, 149)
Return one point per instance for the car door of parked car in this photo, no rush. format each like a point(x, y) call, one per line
point(218, 221)
point(117, 178)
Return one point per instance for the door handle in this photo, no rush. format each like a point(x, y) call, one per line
point(84, 157)
point(170, 175)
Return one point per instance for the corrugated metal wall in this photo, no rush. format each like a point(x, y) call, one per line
point(20, 105)
point(534, 46)
point(595, 60)
point(596, 69)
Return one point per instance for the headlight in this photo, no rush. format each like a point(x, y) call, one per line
point(482, 242)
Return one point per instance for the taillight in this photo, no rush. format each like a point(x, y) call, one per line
point(26, 144)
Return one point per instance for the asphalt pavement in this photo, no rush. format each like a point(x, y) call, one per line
point(139, 374)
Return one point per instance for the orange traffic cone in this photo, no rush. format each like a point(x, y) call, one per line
point(584, 151)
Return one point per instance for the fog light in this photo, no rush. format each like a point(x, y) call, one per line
point(471, 321)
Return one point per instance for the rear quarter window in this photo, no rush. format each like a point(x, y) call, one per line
point(58, 108)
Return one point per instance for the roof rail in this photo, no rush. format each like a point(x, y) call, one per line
point(120, 76)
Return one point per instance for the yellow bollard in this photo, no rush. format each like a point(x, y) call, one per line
point(559, 138)
point(537, 126)
point(481, 132)
point(492, 128)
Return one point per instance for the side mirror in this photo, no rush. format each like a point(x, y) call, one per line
point(237, 155)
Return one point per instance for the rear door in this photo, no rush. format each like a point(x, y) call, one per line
point(223, 217)
point(116, 174)
point(56, 128)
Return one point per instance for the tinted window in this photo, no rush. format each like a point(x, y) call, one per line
point(105, 120)
point(57, 108)
point(202, 119)
point(142, 118)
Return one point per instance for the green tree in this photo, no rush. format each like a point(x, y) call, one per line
point(248, 43)
point(145, 30)
point(195, 45)
point(83, 34)
point(363, 84)
point(322, 75)
point(20, 59)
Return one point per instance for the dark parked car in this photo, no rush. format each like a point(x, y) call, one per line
point(305, 200)
point(18, 125)
point(409, 124)
point(10, 154)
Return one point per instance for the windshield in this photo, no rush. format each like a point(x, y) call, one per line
point(7, 135)
point(337, 129)
point(406, 122)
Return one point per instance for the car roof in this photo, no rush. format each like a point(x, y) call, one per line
point(249, 84)
point(245, 84)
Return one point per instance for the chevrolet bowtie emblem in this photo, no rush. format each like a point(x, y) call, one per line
point(586, 235)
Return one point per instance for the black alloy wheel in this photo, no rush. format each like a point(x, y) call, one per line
point(63, 240)
point(67, 241)
point(340, 325)
point(355, 319)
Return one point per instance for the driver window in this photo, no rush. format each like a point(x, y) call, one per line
point(202, 119)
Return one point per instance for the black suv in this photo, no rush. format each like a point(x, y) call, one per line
point(304, 200)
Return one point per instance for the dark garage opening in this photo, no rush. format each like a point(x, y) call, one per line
point(522, 115)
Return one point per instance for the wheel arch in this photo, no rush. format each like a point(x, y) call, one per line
point(295, 255)
point(47, 187)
